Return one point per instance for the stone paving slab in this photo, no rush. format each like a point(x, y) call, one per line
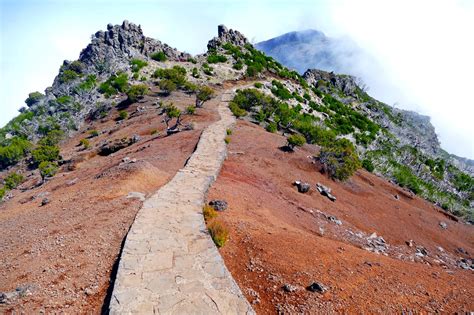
point(169, 263)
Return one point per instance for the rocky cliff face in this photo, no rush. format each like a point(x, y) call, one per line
point(224, 35)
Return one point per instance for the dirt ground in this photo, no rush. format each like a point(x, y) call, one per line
point(62, 254)
point(279, 236)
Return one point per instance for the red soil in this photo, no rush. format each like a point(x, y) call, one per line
point(65, 251)
point(277, 237)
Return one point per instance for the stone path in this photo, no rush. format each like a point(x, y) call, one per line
point(169, 263)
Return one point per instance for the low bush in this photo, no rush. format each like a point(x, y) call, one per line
point(138, 64)
point(68, 76)
point(167, 86)
point(215, 58)
point(46, 153)
point(191, 110)
point(48, 169)
point(195, 73)
point(136, 92)
point(85, 143)
point(203, 94)
point(227, 140)
point(272, 127)
point(236, 110)
point(339, 159)
point(258, 85)
point(13, 152)
point(33, 98)
point(122, 115)
point(228, 132)
point(159, 56)
point(52, 138)
point(207, 69)
point(209, 213)
point(295, 140)
point(177, 75)
point(89, 83)
point(368, 165)
point(113, 85)
point(219, 233)
point(93, 133)
point(13, 180)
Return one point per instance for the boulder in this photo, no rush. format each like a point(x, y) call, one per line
point(218, 205)
point(443, 225)
point(325, 191)
point(302, 187)
point(317, 287)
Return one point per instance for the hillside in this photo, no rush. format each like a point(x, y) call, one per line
point(106, 173)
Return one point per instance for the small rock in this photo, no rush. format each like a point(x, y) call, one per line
point(421, 251)
point(45, 201)
point(302, 187)
point(443, 225)
point(397, 197)
point(218, 205)
point(136, 195)
point(409, 243)
point(334, 220)
point(289, 288)
point(325, 191)
point(317, 287)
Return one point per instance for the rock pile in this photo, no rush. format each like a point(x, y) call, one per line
point(227, 36)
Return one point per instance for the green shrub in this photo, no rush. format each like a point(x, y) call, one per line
point(209, 213)
point(238, 65)
point(195, 73)
point(236, 110)
point(192, 60)
point(3, 192)
point(13, 180)
point(189, 87)
point(204, 93)
point(68, 75)
point(219, 232)
point(48, 169)
point(138, 64)
point(89, 83)
point(228, 132)
point(122, 115)
point(113, 85)
point(405, 178)
point(258, 85)
point(13, 152)
point(93, 133)
point(167, 86)
point(339, 159)
point(45, 153)
point(191, 110)
point(207, 69)
point(214, 58)
point(271, 127)
point(52, 138)
point(159, 56)
point(136, 92)
point(33, 98)
point(177, 75)
point(64, 99)
point(153, 132)
point(295, 140)
point(368, 165)
point(85, 143)
point(280, 91)
point(227, 140)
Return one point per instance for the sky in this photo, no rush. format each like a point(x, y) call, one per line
point(424, 48)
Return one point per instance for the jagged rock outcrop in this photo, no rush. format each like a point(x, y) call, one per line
point(227, 36)
point(120, 43)
point(319, 79)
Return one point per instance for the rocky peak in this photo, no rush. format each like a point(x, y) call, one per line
point(226, 35)
point(122, 42)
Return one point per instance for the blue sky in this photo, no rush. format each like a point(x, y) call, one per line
point(425, 47)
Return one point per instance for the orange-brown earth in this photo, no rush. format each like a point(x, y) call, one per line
point(65, 251)
point(279, 236)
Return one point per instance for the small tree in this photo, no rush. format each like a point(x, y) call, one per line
point(203, 94)
point(136, 92)
point(339, 159)
point(295, 140)
point(47, 169)
point(172, 112)
point(167, 86)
